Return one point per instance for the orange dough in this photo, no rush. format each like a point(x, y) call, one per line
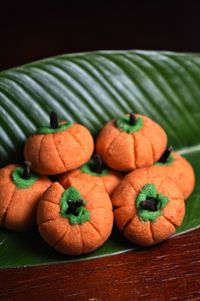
point(55, 153)
point(109, 181)
point(143, 229)
point(75, 239)
point(125, 151)
point(18, 205)
point(180, 171)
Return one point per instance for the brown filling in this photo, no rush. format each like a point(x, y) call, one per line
point(149, 204)
point(73, 207)
point(132, 119)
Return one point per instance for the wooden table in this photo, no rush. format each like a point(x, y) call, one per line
point(170, 271)
point(37, 29)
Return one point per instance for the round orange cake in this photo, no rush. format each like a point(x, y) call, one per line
point(76, 220)
point(19, 197)
point(148, 208)
point(125, 147)
point(179, 170)
point(54, 150)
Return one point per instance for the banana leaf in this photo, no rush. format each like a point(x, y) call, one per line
point(92, 88)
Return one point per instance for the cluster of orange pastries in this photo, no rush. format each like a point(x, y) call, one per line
point(132, 179)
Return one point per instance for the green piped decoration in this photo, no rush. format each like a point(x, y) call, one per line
point(149, 192)
point(20, 181)
point(169, 161)
point(49, 130)
point(72, 206)
point(54, 127)
point(89, 169)
point(126, 124)
point(166, 158)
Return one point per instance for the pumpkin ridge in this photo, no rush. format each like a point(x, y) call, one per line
point(127, 223)
point(94, 227)
point(125, 180)
point(134, 150)
point(134, 158)
point(108, 148)
point(39, 153)
point(104, 153)
point(55, 244)
point(5, 213)
point(45, 200)
point(124, 207)
point(161, 183)
point(88, 192)
point(58, 151)
point(169, 221)
point(81, 239)
point(48, 220)
point(151, 231)
point(76, 139)
point(45, 203)
point(152, 148)
point(146, 174)
point(152, 154)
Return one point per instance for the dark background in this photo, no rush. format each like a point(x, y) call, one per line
point(31, 30)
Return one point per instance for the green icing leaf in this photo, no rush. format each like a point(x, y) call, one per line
point(123, 124)
point(146, 215)
point(86, 168)
point(21, 182)
point(72, 195)
point(49, 130)
point(163, 200)
point(149, 190)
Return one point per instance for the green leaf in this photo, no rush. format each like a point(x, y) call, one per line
point(93, 88)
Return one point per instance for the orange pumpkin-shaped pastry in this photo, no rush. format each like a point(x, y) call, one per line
point(59, 148)
point(75, 221)
point(20, 191)
point(94, 171)
point(130, 142)
point(178, 169)
point(148, 207)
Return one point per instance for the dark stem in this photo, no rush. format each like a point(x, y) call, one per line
point(53, 120)
point(165, 155)
point(74, 206)
point(27, 170)
point(98, 164)
point(132, 119)
point(149, 204)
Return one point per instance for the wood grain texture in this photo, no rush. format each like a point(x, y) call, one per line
point(169, 271)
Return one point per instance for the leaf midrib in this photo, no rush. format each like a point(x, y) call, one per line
point(189, 149)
